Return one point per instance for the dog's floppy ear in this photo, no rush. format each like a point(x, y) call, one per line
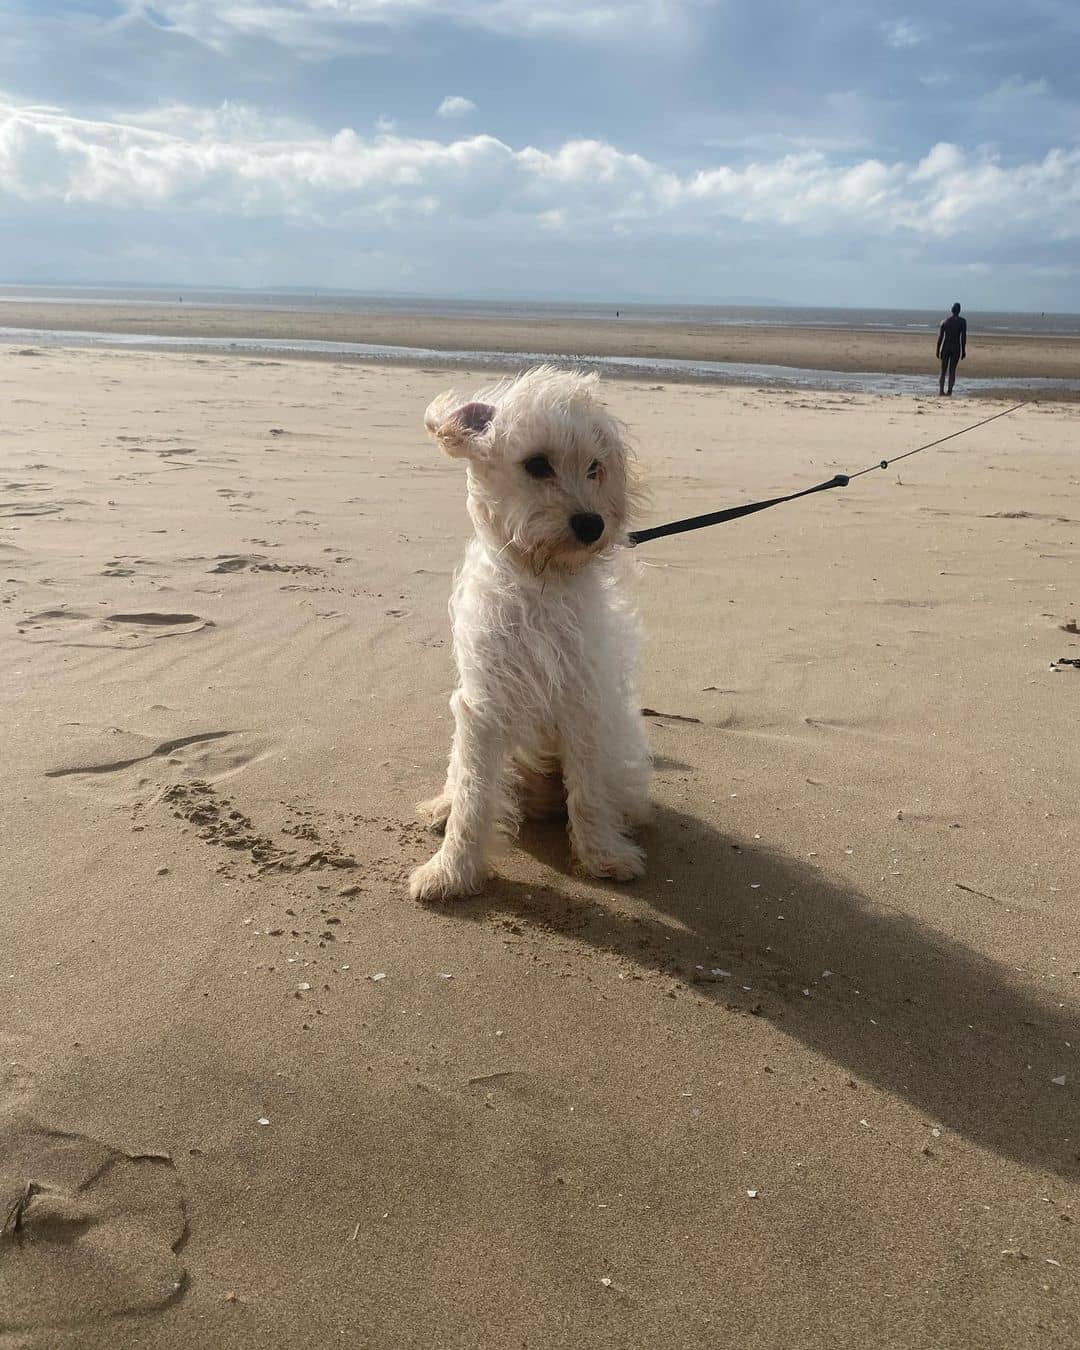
point(457, 426)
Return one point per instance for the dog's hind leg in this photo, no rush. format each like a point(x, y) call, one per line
point(541, 796)
point(515, 800)
point(540, 790)
point(435, 812)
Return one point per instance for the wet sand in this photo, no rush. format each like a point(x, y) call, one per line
point(899, 353)
point(812, 1082)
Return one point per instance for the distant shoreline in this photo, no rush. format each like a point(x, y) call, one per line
point(624, 342)
point(728, 314)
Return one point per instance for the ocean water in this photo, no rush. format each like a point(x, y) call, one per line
point(704, 316)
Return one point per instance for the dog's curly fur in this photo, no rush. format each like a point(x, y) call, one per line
point(545, 632)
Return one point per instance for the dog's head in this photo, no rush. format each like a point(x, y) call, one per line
point(551, 474)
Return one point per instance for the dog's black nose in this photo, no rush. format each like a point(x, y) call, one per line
point(587, 527)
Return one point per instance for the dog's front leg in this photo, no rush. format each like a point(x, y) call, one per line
point(596, 815)
point(435, 812)
point(461, 865)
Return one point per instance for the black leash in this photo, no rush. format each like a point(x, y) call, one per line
point(636, 537)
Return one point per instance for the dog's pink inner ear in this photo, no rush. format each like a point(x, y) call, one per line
point(474, 417)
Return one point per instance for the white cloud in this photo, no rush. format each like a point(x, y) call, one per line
point(320, 27)
point(453, 105)
point(1014, 91)
point(231, 121)
point(229, 162)
point(901, 33)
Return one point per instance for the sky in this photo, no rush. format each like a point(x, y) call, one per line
point(711, 151)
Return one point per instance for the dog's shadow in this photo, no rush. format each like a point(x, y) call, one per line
point(907, 1009)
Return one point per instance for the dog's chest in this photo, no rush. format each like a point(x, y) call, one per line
point(547, 631)
point(535, 641)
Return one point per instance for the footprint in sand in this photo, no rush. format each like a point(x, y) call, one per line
point(89, 1231)
point(155, 620)
point(143, 752)
point(238, 564)
point(165, 452)
point(100, 756)
point(255, 562)
point(1028, 515)
point(74, 628)
point(11, 509)
point(126, 565)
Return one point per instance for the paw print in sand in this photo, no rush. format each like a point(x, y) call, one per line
point(89, 1232)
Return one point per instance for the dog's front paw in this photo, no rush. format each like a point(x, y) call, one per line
point(619, 860)
point(442, 878)
point(436, 812)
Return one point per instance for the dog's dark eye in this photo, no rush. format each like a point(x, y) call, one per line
point(538, 466)
point(594, 469)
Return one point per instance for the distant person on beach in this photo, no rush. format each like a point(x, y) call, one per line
point(951, 347)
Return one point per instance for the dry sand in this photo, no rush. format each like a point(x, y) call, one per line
point(554, 1122)
point(900, 353)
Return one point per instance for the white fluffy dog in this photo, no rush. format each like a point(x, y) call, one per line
point(545, 633)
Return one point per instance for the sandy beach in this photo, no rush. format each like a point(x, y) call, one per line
point(899, 353)
point(812, 1082)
